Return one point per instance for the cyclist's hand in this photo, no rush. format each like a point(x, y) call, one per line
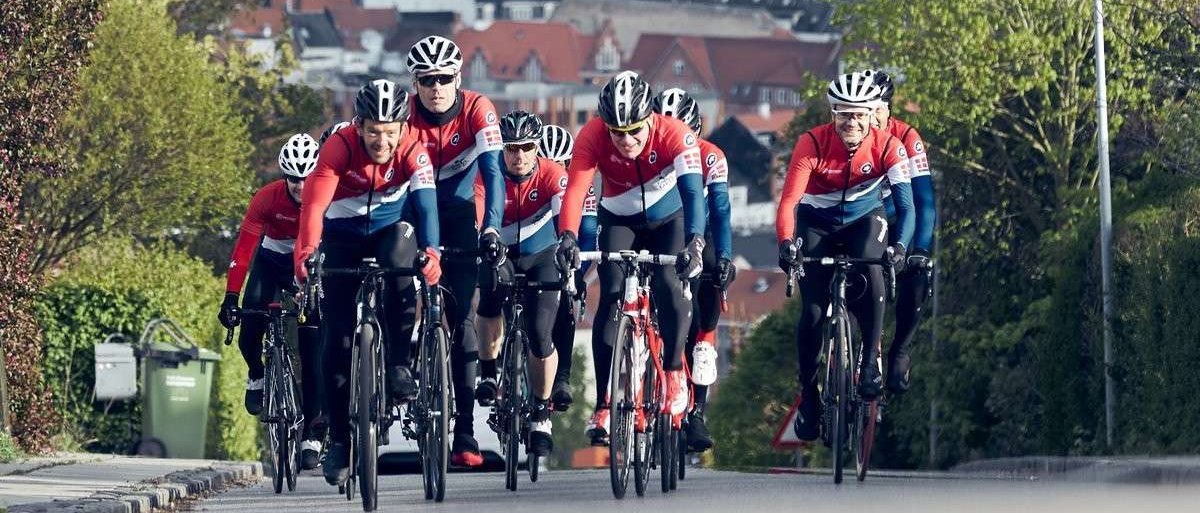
point(895, 255)
point(491, 248)
point(789, 254)
point(919, 260)
point(580, 287)
point(303, 256)
point(433, 266)
point(230, 315)
point(726, 272)
point(690, 261)
point(567, 256)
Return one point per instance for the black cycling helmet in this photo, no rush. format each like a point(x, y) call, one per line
point(520, 127)
point(886, 87)
point(678, 104)
point(381, 100)
point(332, 128)
point(625, 100)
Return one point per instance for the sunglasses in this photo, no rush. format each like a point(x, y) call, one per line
point(842, 115)
point(430, 80)
point(514, 148)
point(294, 179)
point(629, 130)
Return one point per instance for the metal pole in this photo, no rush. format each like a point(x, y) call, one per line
point(1105, 221)
point(934, 428)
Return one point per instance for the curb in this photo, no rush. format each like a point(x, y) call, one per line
point(1158, 471)
point(154, 494)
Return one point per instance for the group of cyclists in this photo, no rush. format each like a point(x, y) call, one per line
point(441, 174)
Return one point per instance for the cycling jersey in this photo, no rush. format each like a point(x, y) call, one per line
point(716, 191)
point(531, 204)
point(359, 197)
point(462, 143)
point(922, 185)
point(664, 179)
point(274, 216)
point(839, 188)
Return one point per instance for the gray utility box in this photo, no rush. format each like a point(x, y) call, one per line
point(116, 372)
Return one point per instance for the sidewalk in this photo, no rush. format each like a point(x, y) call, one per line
point(111, 483)
point(1181, 470)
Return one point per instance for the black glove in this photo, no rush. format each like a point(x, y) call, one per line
point(567, 256)
point(726, 273)
point(230, 315)
point(789, 255)
point(919, 259)
point(492, 249)
point(895, 255)
point(580, 287)
point(690, 261)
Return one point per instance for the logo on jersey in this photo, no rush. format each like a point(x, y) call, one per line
point(533, 195)
point(653, 156)
point(491, 118)
point(454, 139)
point(919, 147)
point(387, 177)
point(562, 182)
point(866, 168)
point(710, 159)
point(591, 190)
point(423, 160)
point(901, 152)
point(689, 140)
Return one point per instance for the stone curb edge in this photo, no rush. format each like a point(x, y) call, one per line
point(154, 494)
point(1091, 469)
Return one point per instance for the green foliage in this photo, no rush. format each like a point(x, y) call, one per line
point(116, 287)
point(752, 401)
point(199, 17)
point(9, 450)
point(43, 43)
point(156, 146)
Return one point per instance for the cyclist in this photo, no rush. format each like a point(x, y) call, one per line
point(352, 207)
point(533, 196)
point(718, 261)
point(272, 218)
point(556, 144)
point(912, 285)
point(651, 200)
point(458, 128)
point(832, 197)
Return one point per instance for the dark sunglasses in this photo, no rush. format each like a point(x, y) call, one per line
point(634, 130)
point(513, 148)
point(429, 80)
point(294, 179)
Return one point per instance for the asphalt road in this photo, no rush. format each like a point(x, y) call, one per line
point(720, 492)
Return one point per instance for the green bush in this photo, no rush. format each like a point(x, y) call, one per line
point(116, 287)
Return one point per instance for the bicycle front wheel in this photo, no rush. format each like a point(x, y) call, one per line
point(369, 378)
point(621, 404)
point(513, 396)
point(841, 400)
point(648, 399)
point(435, 398)
point(666, 448)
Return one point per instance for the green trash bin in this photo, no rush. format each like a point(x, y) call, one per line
point(177, 384)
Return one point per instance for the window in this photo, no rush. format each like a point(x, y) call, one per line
point(781, 95)
point(607, 58)
point(678, 67)
point(533, 70)
point(520, 12)
point(764, 94)
point(479, 67)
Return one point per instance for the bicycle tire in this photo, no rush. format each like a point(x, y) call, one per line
point(666, 445)
point(369, 381)
point(683, 457)
point(295, 420)
point(533, 465)
point(274, 439)
point(513, 396)
point(620, 385)
point(841, 399)
point(675, 435)
point(866, 422)
point(650, 439)
point(437, 456)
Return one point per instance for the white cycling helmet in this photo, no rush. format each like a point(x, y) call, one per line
point(677, 103)
point(625, 100)
point(434, 53)
point(855, 90)
point(298, 157)
point(556, 143)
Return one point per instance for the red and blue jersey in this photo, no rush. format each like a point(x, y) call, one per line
point(350, 193)
point(922, 185)
point(463, 143)
point(664, 179)
point(273, 217)
point(531, 207)
point(716, 191)
point(829, 182)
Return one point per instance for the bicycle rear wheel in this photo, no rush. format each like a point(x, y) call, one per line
point(291, 418)
point(649, 437)
point(369, 378)
point(621, 404)
point(865, 433)
point(682, 457)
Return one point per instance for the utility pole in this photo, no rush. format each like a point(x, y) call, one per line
point(1105, 221)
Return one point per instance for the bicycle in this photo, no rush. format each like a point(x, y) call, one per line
point(281, 412)
point(839, 390)
point(510, 413)
point(646, 416)
point(371, 413)
point(713, 279)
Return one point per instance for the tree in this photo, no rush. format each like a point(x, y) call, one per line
point(199, 17)
point(154, 143)
point(43, 43)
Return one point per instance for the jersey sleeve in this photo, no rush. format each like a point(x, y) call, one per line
point(480, 205)
point(899, 173)
point(579, 176)
point(923, 193)
point(254, 223)
point(485, 125)
point(318, 192)
point(422, 190)
point(682, 143)
point(803, 162)
point(719, 211)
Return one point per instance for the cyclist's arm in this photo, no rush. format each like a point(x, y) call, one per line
point(422, 192)
point(719, 216)
point(487, 138)
point(689, 177)
point(579, 177)
point(923, 193)
point(804, 161)
point(253, 226)
point(899, 174)
point(480, 205)
point(316, 197)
